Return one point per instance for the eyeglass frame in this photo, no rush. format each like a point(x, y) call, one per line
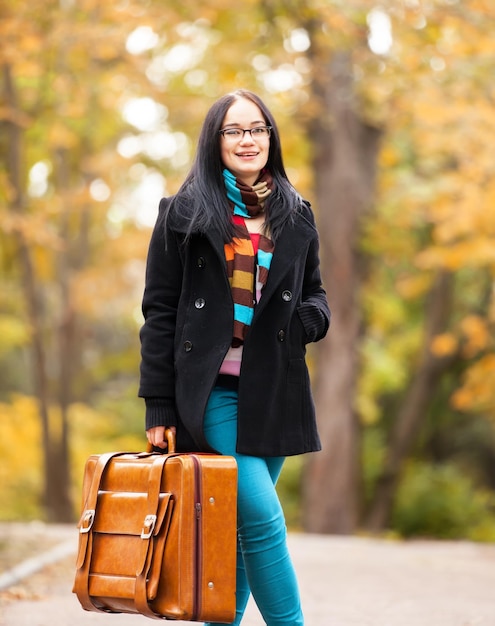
point(222, 132)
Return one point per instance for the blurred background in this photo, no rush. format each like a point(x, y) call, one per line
point(386, 112)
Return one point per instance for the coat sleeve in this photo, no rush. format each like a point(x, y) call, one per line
point(314, 311)
point(163, 284)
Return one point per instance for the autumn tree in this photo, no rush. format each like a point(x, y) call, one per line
point(427, 184)
point(381, 109)
point(60, 124)
point(367, 80)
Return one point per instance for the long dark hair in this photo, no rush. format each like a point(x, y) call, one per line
point(201, 200)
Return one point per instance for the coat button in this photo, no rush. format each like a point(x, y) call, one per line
point(201, 262)
point(281, 335)
point(199, 303)
point(188, 346)
point(286, 295)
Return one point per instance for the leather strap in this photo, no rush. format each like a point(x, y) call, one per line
point(83, 563)
point(141, 590)
point(81, 583)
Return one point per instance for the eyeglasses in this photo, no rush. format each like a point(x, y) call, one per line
point(235, 134)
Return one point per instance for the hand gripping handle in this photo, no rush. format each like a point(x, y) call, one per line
point(170, 436)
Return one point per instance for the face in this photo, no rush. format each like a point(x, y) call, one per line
point(245, 156)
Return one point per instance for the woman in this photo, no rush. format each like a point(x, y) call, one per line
point(233, 294)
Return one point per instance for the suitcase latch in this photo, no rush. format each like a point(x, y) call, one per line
point(148, 527)
point(87, 521)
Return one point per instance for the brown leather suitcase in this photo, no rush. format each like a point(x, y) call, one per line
point(157, 536)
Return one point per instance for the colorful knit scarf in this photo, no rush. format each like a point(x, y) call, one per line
point(247, 272)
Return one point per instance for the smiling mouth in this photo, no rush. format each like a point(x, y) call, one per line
point(247, 154)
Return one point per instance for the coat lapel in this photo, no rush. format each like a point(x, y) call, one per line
point(290, 246)
point(217, 244)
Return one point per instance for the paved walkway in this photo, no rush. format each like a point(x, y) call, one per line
point(345, 581)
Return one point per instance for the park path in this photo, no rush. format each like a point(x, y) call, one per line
point(345, 581)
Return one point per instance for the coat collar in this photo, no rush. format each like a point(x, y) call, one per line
point(291, 243)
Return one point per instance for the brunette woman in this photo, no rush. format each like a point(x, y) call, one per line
point(233, 295)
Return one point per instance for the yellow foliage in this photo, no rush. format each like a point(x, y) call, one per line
point(432, 257)
point(436, 206)
point(465, 207)
point(389, 156)
point(476, 333)
point(13, 333)
point(367, 408)
point(60, 136)
point(94, 432)
point(476, 252)
point(34, 229)
point(20, 482)
point(477, 393)
point(413, 286)
point(443, 345)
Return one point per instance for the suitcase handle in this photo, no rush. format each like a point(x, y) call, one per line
point(170, 437)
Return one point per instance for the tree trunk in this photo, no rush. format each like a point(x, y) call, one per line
point(345, 152)
point(417, 399)
point(56, 489)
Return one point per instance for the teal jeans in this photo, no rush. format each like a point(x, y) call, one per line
point(264, 566)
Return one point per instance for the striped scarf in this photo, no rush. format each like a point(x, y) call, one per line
point(247, 272)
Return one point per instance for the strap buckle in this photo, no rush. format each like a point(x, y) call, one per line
point(87, 520)
point(148, 526)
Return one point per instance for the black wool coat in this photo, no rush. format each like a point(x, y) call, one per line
point(188, 311)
